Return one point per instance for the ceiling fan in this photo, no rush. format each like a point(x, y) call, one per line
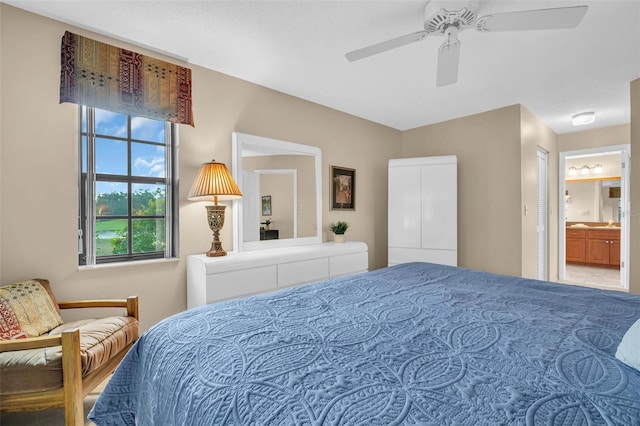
point(440, 21)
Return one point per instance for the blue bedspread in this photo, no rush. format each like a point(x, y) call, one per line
point(415, 344)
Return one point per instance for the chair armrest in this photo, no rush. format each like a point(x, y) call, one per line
point(30, 343)
point(131, 303)
point(101, 303)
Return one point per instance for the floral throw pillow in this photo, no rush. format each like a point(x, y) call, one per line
point(29, 304)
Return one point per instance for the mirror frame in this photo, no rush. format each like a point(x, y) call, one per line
point(238, 142)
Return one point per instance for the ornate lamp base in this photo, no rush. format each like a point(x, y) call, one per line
point(215, 217)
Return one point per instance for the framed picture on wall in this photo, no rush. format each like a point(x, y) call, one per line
point(343, 188)
point(266, 205)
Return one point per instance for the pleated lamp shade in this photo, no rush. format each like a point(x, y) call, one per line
point(214, 180)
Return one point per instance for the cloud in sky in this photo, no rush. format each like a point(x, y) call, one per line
point(111, 123)
point(149, 167)
point(146, 129)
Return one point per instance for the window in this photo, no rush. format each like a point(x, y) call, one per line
point(128, 188)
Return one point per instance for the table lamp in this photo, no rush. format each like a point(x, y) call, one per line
point(214, 182)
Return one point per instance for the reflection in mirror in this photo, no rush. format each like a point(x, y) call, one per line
point(271, 204)
point(281, 186)
point(593, 201)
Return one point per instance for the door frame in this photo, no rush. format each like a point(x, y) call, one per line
point(542, 215)
point(625, 151)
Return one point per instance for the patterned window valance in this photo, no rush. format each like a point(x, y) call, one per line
point(103, 76)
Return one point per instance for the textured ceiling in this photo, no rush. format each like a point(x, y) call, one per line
point(298, 47)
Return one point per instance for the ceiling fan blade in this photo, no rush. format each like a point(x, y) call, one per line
point(540, 19)
point(448, 61)
point(385, 45)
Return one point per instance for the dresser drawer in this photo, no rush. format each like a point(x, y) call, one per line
point(230, 285)
point(303, 272)
point(348, 264)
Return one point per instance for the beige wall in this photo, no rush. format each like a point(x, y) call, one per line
point(595, 138)
point(534, 134)
point(38, 168)
point(634, 251)
point(488, 147)
point(1, 136)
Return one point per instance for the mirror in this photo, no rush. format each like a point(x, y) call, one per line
point(281, 186)
point(593, 200)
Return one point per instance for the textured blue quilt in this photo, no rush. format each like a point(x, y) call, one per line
point(414, 344)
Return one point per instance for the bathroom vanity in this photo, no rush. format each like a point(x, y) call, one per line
point(593, 243)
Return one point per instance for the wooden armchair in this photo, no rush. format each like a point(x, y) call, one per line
point(90, 351)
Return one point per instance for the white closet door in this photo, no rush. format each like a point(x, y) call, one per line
point(404, 206)
point(423, 210)
point(439, 207)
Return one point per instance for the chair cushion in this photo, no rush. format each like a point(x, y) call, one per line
point(41, 369)
point(32, 305)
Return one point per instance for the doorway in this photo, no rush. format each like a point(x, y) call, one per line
point(593, 231)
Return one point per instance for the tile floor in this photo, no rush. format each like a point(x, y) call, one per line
point(593, 276)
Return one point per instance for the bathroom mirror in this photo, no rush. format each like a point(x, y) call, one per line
point(281, 187)
point(593, 200)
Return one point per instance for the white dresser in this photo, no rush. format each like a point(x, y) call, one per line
point(212, 279)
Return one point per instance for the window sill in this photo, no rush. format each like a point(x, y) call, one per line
point(129, 263)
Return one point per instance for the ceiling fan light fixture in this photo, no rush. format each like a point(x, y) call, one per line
point(583, 118)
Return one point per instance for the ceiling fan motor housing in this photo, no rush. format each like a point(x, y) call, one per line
point(438, 22)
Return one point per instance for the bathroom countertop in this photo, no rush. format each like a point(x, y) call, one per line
point(583, 226)
point(614, 228)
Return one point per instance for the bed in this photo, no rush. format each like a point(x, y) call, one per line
point(413, 344)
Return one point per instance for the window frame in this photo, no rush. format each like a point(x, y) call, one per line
point(87, 215)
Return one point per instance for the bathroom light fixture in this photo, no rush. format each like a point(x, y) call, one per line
point(585, 170)
point(583, 118)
